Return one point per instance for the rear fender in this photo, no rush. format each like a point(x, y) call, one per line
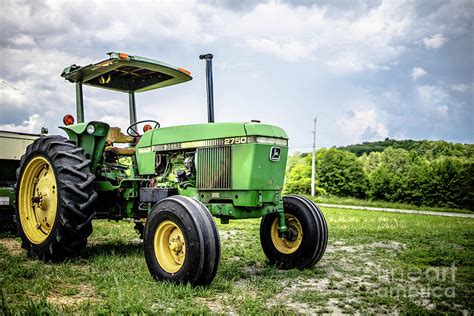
point(92, 143)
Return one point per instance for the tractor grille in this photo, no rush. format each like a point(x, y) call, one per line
point(214, 168)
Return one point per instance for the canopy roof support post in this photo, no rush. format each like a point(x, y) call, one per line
point(79, 103)
point(132, 109)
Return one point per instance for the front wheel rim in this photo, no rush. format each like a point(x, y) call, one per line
point(169, 246)
point(284, 244)
point(38, 199)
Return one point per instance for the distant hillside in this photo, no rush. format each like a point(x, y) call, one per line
point(429, 173)
point(429, 148)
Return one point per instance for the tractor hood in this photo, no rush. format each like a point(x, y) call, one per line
point(210, 131)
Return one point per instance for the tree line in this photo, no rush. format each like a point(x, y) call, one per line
point(422, 173)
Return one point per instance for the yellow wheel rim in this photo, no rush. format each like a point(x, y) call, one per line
point(291, 243)
point(170, 246)
point(38, 200)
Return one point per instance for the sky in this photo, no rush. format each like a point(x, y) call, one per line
point(367, 69)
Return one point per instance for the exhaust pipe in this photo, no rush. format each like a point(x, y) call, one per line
point(210, 93)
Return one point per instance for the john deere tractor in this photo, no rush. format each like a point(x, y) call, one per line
point(169, 180)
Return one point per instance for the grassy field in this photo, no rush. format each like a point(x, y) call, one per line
point(375, 262)
point(331, 199)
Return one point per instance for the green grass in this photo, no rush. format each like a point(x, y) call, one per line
point(331, 199)
point(372, 263)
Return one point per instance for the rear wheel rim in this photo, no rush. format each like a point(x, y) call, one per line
point(170, 246)
point(283, 244)
point(38, 200)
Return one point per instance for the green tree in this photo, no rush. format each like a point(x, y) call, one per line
point(408, 177)
point(388, 180)
point(450, 183)
point(293, 160)
point(371, 161)
point(430, 149)
point(298, 180)
point(341, 173)
point(298, 176)
point(431, 173)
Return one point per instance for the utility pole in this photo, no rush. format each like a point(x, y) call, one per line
point(313, 169)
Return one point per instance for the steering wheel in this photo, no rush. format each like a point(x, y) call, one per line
point(131, 130)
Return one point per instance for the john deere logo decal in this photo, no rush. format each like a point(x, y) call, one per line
point(275, 154)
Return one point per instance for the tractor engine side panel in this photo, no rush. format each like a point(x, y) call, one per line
point(253, 169)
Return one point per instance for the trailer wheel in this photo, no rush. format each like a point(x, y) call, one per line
point(53, 197)
point(307, 237)
point(181, 242)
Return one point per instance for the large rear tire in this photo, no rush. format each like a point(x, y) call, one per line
point(54, 193)
point(307, 239)
point(181, 242)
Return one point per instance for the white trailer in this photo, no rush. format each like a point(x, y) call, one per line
point(12, 147)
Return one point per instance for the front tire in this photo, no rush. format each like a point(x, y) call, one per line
point(53, 197)
point(181, 242)
point(307, 239)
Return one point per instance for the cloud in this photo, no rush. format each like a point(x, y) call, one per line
point(32, 125)
point(345, 39)
point(417, 72)
point(44, 64)
point(436, 103)
point(435, 41)
point(347, 63)
point(290, 32)
point(299, 52)
point(13, 94)
point(460, 87)
point(430, 95)
point(346, 43)
point(290, 51)
point(116, 121)
point(23, 40)
point(362, 124)
point(443, 110)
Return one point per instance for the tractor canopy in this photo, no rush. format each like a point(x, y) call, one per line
point(127, 73)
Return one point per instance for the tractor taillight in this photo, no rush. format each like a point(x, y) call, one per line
point(68, 119)
point(185, 71)
point(146, 128)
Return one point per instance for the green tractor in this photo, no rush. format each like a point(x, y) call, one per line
point(170, 181)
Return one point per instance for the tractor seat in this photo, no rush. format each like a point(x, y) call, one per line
point(116, 136)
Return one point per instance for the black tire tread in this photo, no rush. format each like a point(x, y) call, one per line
point(321, 227)
point(208, 254)
point(302, 258)
point(75, 196)
point(212, 236)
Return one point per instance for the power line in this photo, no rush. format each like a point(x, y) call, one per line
point(317, 146)
point(311, 145)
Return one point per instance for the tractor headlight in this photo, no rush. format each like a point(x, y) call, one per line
point(90, 129)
